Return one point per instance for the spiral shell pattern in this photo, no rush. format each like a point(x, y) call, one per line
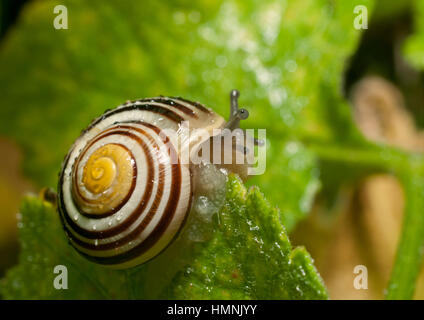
point(123, 192)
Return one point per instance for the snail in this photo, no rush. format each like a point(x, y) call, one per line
point(124, 190)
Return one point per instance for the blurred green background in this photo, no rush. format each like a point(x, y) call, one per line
point(343, 109)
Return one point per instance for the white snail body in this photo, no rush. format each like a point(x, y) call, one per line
point(124, 192)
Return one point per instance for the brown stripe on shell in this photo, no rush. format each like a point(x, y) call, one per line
point(171, 115)
point(140, 228)
point(160, 228)
point(131, 218)
point(174, 104)
point(195, 104)
point(137, 231)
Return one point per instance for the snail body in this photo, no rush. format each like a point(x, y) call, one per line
point(124, 192)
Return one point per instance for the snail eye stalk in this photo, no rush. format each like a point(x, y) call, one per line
point(237, 114)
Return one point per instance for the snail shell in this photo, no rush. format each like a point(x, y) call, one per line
point(124, 192)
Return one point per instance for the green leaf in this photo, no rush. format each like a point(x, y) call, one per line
point(247, 257)
point(292, 176)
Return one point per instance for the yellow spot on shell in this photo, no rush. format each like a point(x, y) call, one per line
point(99, 174)
point(107, 177)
